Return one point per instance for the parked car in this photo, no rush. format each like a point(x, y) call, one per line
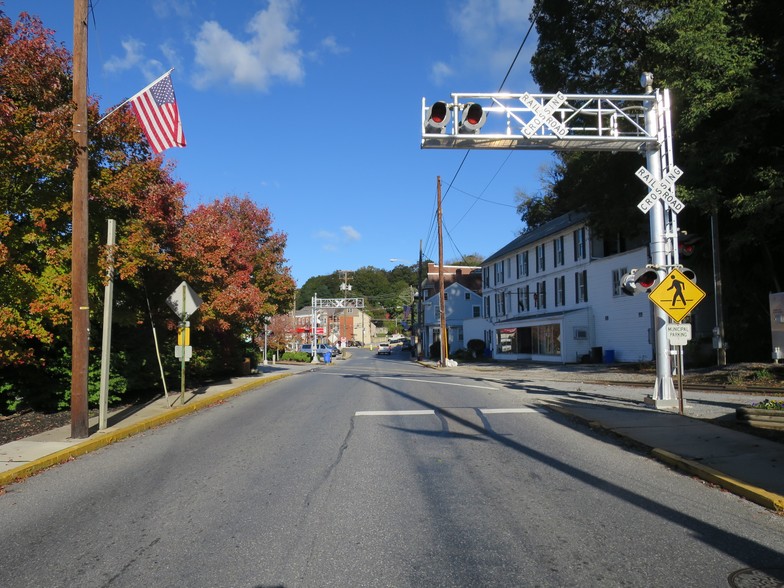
point(384, 349)
point(321, 349)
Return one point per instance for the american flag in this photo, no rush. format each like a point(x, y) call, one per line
point(156, 109)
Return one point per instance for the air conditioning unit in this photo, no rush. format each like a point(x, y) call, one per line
point(580, 333)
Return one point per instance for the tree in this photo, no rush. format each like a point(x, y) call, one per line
point(232, 257)
point(722, 61)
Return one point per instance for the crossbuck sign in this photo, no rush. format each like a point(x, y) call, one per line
point(660, 189)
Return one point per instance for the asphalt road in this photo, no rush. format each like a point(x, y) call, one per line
point(320, 480)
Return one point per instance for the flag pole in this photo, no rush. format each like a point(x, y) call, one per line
point(142, 91)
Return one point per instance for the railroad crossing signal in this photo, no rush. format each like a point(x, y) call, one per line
point(660, 189)
point(677, 295)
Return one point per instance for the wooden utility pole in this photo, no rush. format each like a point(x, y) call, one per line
point(441, 296)
point(80, 310)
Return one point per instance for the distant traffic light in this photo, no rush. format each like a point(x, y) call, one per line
point(687, 243)
point(639, 281)
point(472, 118)
point(438, 116)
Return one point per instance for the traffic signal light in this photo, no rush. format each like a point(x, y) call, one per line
point(689, 274)
point(687, 243)
point(638, 281)
point(438, 116)
point(472, 118)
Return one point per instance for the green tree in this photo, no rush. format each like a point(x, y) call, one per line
point(722, 62)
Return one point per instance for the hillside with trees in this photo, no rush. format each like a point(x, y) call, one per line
point(722, 62)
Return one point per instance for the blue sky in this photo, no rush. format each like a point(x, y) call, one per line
point(312, 109)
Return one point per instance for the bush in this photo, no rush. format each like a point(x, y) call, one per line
point(297, 356)
point(476, 347)
point(435, 350)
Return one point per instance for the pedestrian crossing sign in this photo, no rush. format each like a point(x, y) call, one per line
point(676, 295)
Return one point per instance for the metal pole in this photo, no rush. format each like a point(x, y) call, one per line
point(80, 310)
point(106, 345)
point(721, 352)
point(663, 390)
point(184, 326)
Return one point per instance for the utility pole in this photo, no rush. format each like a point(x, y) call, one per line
point(441, 296)
point(420, 309)
point(80, 310)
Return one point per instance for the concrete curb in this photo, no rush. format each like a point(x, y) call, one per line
point(769, 500)
point(102, 439)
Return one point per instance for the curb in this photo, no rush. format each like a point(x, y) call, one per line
point(102, 439)
point(769, 500)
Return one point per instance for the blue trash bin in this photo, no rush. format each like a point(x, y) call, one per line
point(609, 356)
point(327, 357)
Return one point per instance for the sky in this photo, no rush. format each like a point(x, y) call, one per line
point(312, 109)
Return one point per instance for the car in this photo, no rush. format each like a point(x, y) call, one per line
point(384, 349)
point(321, 349)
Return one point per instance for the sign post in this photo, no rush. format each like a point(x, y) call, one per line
point(184, 302)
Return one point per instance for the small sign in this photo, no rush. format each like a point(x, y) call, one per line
point(676, 295)
point(544, 115)
point(188, 352)
point(679, 333)
point(184, 301)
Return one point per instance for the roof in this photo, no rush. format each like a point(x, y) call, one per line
point(541, 232)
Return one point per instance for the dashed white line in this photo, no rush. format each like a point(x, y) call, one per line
point(393, 412)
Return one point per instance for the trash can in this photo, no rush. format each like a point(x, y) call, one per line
point(327, 357)
point(609, 356)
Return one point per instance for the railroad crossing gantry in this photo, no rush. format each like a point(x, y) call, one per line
point(581, 122)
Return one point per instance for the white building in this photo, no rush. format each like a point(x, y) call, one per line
point(553, 294)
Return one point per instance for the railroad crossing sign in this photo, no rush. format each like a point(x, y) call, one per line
point(544, 115)
point(660, 189)
point(676, 295)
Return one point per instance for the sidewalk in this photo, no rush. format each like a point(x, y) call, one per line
point(20, 459)
point(740, 462)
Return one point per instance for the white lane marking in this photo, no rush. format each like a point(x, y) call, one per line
point(510, 410)
point(433, 412)
point(435, 383)
point(393, 412)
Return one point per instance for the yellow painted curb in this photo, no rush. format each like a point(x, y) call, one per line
point(759, 496)
point(102, 439)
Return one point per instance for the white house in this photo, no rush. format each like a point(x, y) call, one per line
point(553, 294)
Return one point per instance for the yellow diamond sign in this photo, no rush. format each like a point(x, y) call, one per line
point(676, 295)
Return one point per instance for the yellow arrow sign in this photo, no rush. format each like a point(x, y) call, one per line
point(676, 295)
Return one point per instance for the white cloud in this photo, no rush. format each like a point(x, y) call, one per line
point(491, 31)
point(134, 50)
point(269, 54)
point(440, 72)
point(179, 8)
point(350, 233)
point(332, 46)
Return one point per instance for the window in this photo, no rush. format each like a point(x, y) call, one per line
point(486, 277)
point(468, 295)
point(546, 339)
point(487, 307)
point(560, 291)
point(540, 258)
point(580, 248)
point(500, 306)
point(476, 311)
point(524, 261)
point(540, 298)
point(446, 295)
point(581, 286)
point(616, 280)
point(498, 269)
point(522, 299)
point(558, 251)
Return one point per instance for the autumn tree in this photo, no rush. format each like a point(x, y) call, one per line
point(232, 257)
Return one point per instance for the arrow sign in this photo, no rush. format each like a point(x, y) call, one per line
point(544, 115)
point(660, 189)
point(184, 294)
